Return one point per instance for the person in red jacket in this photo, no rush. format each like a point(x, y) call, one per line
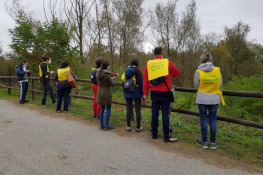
point(160, 96)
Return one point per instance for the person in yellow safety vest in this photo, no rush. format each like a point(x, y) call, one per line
point(208, 80)
point(44, 74)
point(63, 88)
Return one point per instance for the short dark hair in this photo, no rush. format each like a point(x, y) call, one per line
point(99, 61)
point(45, 58)
point(158, 50)
point(64, 64)
point(25, 61)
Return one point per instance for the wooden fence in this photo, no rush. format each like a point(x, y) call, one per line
point(181, 89)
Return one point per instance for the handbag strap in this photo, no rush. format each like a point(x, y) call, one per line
point(166, 86)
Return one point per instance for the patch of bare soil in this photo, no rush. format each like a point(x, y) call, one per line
point(218, 159)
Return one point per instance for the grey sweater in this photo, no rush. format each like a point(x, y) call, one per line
point(202, 97)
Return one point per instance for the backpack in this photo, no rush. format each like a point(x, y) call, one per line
point(93, 76)
point(128, 85)
point(158, 80)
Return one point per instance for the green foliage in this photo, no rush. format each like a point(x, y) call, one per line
point(32, 40)
point(245, 108)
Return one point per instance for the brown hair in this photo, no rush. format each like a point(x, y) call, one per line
point(206, 57)
point(98, 62)
point(135, 64)
point(104, 65)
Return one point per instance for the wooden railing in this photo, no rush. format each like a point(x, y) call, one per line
point(183, 111)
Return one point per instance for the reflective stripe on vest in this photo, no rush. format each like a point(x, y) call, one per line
point(63, 74)
point(210, 82)
point(40, 71)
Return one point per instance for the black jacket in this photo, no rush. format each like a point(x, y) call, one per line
point(43, 67)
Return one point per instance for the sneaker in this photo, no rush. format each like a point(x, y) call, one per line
point(65, 111)
point(128, 129)
point(110, 127)
point(21, 102)
point(101, 127)
point(25, 101)
point(201, 143)
point(213, 145)
point(171, 140)
point(54, 103)
point(43, 105)
point(139, 129)
point(58, 111)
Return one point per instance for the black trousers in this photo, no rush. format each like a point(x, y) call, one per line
point(129, 112)
point(161, 100)
point(47, 89)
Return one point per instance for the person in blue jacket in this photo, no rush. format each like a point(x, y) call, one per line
point(22, 77)
point(131, 71)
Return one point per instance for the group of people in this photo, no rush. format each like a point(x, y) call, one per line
point(61, 76)
point(157, 78)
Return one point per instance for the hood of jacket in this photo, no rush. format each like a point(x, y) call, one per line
point(206, 67)
point(102, 74)
point(20, 65)
point(130, 71)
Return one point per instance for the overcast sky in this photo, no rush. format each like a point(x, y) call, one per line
point(213, 16)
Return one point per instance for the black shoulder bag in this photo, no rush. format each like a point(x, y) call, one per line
point(171, 95)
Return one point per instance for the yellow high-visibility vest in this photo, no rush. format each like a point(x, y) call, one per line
point(63, 74)
point(133, 77)
point(210, 82)
point(157, 68)
point(40, 71)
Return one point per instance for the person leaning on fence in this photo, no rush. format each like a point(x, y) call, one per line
point(132, 87)
point(95, 86)
point(104, 97)
point(23, 76)
point(208, 80)
point(44, 74)
point(158, 77)
point(63, 87)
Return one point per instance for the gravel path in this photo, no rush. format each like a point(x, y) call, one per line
point(33, 144)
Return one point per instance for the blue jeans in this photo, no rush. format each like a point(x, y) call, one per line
point(63, 93)
point(212, 121)
point(107, 117)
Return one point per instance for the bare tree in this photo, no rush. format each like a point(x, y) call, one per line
point(77, 12)
point(108, 16)
point(164, 25)
point(189, 31)
point(128, 26)
point(15, 7)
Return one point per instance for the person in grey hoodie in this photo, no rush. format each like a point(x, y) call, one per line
point(208, 80)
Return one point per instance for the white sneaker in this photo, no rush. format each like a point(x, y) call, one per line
point(128, 129)
point(139, 129)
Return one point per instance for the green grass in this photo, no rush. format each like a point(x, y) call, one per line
point(234, 140)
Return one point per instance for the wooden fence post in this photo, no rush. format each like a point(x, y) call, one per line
point(33, 87)
point(9, 84)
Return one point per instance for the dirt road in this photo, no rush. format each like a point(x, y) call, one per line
point(32, 144)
